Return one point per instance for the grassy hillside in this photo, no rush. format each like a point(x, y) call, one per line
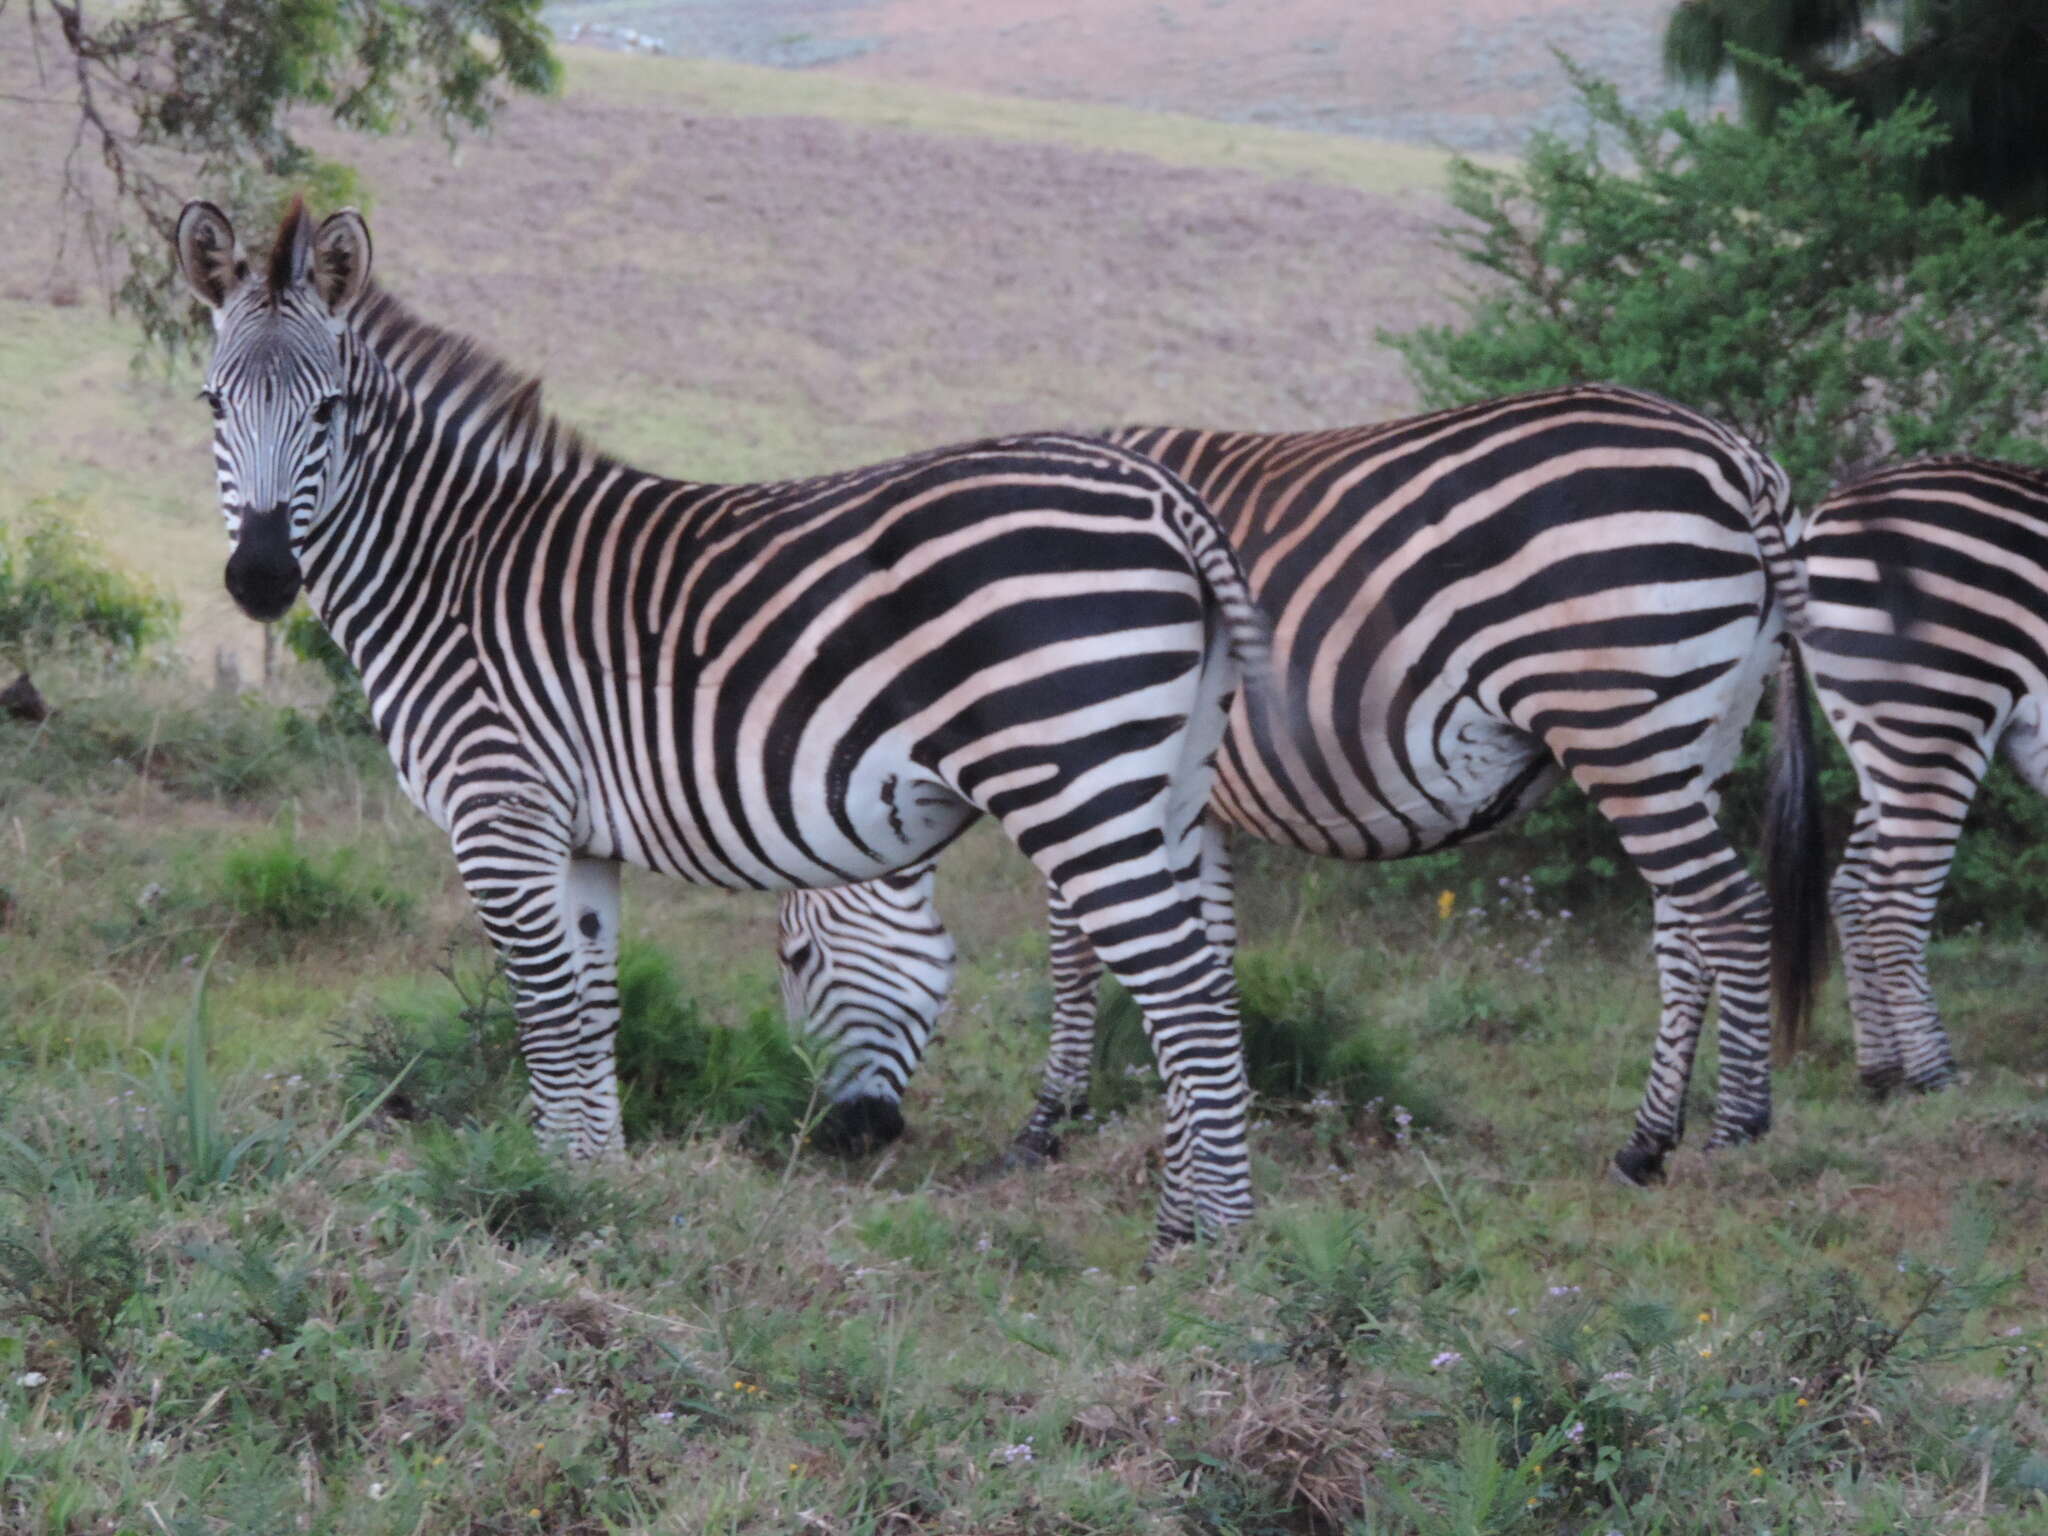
point(241, 1292)
point(735, 273)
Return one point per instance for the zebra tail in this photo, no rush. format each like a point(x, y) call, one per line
point(1247, 630)
point(1794, 856)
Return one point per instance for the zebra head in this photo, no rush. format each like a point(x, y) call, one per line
point(276, 384)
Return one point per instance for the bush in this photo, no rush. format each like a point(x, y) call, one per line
point(347, 709)
point(501, 1176)
point(1302, 1044)
point(276, 886)
point(60, 595)
point(678, 1070)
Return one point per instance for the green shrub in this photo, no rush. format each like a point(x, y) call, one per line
point(346, 710)
point(60, 595)
point(1302, 1045)
point(502, 1177)
point(277, 886)
point(678, 1069)
point(454, 1059)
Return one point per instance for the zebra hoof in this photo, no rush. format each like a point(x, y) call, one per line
point(1880, 1083)
point(1637, 1167)
point(1738, 1133)
point(1031, 1149)
point(856, 1127)
point(1934, 1082)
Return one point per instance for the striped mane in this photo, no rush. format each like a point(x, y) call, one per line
point(434, 360)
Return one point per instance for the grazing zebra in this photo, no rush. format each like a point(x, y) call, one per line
point(576, 664)
point(1469, 604)
point(1929, 648)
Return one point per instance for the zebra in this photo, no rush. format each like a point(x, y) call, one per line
point(1469, 604)
point(1929, 650)
point(577, 665)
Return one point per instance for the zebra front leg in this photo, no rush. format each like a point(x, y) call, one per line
point(554, 919)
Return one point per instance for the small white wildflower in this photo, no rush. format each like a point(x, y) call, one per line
point(30, 1379)
point(1445, 1359)
point(264, 1354)
point(2015, 1331)
point(1564, 1290)
point(1577, 1432)
point(1011, 1455)
point(376, 1492)
point(558, 1392)
point(664, 1416)
point(1618, 1376)
point(983, 1243)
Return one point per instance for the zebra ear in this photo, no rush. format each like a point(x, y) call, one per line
point(341, 258)
point(208, 253)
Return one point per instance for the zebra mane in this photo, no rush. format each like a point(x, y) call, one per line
point(431, 358)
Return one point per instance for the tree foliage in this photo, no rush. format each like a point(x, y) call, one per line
point(1786, 279)
point(1980, 65)
point(178, 98)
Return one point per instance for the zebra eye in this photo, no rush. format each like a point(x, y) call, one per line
point(213, 403)
point(324, 411)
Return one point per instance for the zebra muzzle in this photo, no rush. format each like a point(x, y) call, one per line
point(262, 574)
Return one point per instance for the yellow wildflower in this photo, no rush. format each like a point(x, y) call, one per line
point(1756, 1471)
point(1706, 1317)
point(1802, 1402)
point(1446, 903)
point(1706, 1354)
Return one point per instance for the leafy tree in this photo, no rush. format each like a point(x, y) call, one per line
point(1785, 279)
point(178, 97)
point(1981, 65)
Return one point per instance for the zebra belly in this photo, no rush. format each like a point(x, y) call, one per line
point(1370, 798)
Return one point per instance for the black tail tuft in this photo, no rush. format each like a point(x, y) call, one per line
point(1794, 860)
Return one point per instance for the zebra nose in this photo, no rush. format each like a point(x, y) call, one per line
point(262, 574)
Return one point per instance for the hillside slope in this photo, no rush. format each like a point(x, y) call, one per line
point(724, 272)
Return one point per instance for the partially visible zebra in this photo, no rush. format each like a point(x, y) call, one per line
point(1929, 650)
point(1591, 581)
point(577, 664)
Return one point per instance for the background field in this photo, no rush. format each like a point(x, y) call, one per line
point(728, 271)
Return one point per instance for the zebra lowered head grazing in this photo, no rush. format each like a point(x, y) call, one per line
point(1468, 606)
point(576, 664)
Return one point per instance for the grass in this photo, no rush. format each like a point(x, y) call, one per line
point(241, 1302)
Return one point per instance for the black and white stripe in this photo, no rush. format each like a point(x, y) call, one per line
point(1929, 651)
point(1467, 606)
point(577, 664)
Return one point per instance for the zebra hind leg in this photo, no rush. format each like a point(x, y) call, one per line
point(1683, 985)
point(1063, 1088)
point(1879, 1065)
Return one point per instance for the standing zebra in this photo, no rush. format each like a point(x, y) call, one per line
point(576, 664)
point(1929, 647)
point(1467, 605)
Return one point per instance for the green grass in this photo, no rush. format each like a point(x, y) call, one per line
point(391, 1325)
